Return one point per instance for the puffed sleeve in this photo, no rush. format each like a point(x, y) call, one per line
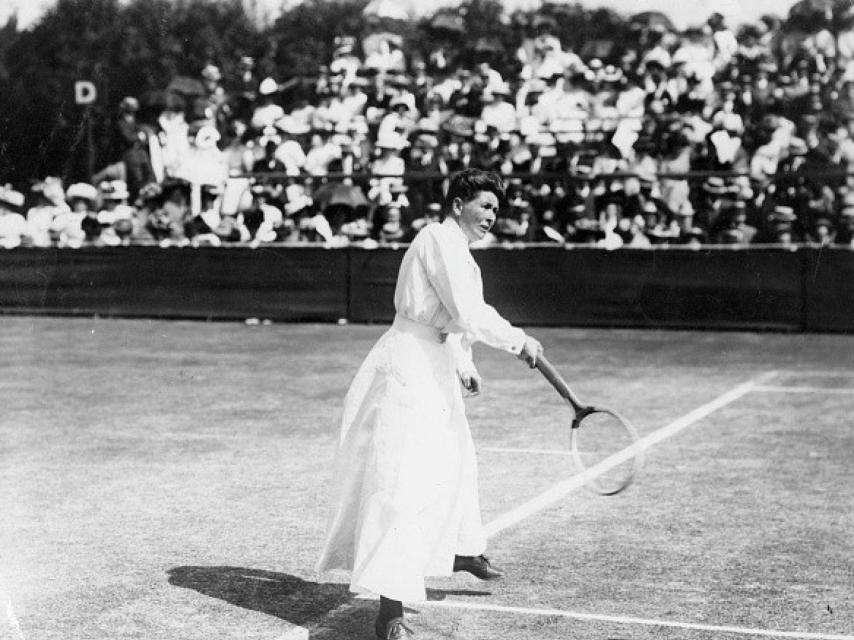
point(455, 277)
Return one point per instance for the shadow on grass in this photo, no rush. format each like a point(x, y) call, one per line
point(320, 606)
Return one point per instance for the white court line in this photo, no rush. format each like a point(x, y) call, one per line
point(562, 489)
point(557, 452)
point(798, 635)
point(816, 373)
point(772, 389)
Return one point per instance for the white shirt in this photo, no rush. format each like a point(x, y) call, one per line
point(13, 227)
point(439, 285)
point(501, 115)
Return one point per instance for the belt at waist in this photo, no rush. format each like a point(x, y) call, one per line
point(423, 331)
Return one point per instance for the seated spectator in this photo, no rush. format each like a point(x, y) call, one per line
point(821, 232)
point(201, 227)
point(389, 227)
point(323, 150)
point(269, 143)
point(167, 222)
point(50, 203)
point(116, 216)
point(736, 229)
point(263, 220)
point(267, 112)
point(13, 226)
point(239, 154)
point(514, 222)
point(497, 111)
point(389, 164)
point(67, 228)
point(290, 151)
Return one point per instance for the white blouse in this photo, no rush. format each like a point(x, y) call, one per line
point(439, 284)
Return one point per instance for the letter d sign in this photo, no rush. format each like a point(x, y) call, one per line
point(85, 92)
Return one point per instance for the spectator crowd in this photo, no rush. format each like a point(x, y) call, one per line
point(710, 135)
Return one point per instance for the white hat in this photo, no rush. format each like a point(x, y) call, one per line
point(11, 197)
point(82, 190)
point(113, 190)
point(211, 72)
point(391, 141)
point(292, 125)
point(268, 87)
point(206, 137)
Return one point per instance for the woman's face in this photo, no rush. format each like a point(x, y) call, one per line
point(476, 216)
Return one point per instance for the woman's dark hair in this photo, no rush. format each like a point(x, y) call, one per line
point(468, 183)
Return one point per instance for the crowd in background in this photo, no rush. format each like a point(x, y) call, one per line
point(710, 135)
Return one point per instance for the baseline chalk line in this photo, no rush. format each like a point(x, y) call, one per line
point(562, 489)
point(829, 390)
point(554, 452)
point(628, 620)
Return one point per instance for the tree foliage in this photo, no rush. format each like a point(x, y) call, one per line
point(128, 47)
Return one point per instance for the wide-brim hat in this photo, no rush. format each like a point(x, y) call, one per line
point(268, 87)
point(11, 198)
point(458, 125)
point(211, 72)
point(783, 213)
point(798, 147)
point(292, 126)
point(82, 191)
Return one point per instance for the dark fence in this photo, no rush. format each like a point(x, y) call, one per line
point(749, 288)
point(297, 283)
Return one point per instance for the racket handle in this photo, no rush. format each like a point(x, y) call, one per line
point(551, 374)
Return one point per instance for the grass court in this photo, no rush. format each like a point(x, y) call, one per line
point(167, 480)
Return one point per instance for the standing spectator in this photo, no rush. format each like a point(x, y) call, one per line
point(217, 100)
point(244, 90)
point(133, 145)
point(725, 41)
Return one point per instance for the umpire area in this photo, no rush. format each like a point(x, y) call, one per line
point(166, 480)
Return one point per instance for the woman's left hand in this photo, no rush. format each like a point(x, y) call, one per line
point(471, 381)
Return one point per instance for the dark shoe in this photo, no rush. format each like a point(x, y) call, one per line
point(393, 629)
point(478, 566)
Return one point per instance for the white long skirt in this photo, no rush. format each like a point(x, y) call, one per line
point(405, 483)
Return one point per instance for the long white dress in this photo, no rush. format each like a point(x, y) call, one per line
point(405, 483)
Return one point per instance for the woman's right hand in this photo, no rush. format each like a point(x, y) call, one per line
point(531, 350)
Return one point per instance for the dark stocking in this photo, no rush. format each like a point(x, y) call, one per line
point(390, 608)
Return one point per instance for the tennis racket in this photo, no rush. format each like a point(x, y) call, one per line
point(599, 439)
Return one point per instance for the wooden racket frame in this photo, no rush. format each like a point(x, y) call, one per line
point(581, 411)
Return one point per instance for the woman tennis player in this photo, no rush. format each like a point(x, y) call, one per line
point(406, 500)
